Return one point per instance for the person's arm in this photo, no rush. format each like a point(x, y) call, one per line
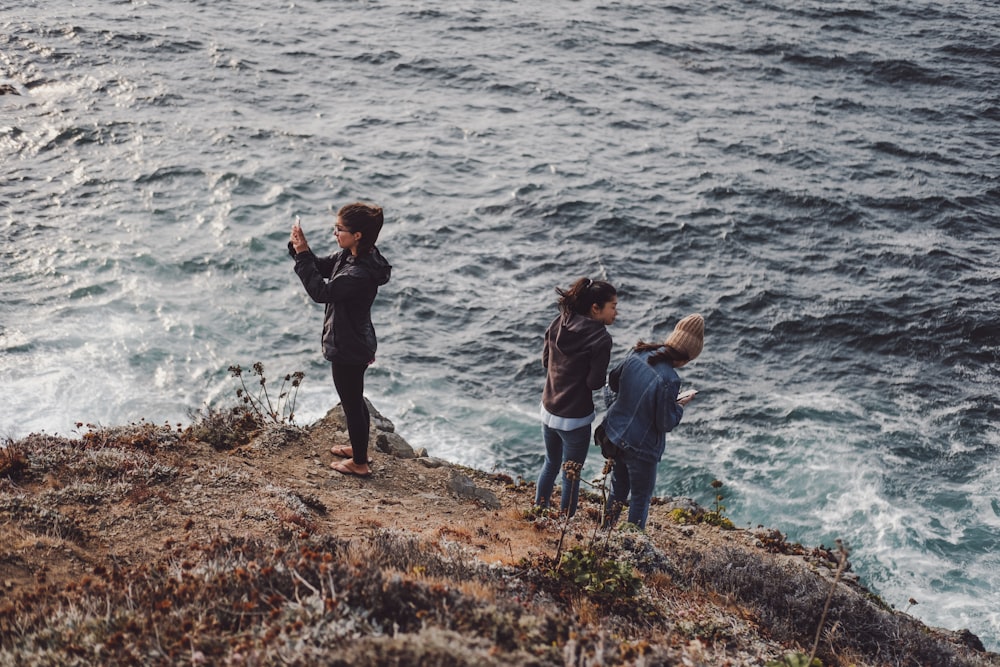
point(669, 412)
point(347, 285)
point(611, 388)
point(597, 376)
point(326, 265)
point(545, 350)
point(615, 376)
point(298, 245)
point(297, 239)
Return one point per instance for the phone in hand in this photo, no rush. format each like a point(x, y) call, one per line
point(686, 394)
point(291, 246)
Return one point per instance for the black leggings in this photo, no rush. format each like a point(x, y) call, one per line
point(349, 380)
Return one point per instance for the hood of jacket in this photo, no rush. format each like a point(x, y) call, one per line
point(577, 333)
point(575, 355)
point(376, 265)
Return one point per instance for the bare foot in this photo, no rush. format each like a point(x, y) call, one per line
point(349, 467)
point(343, 451)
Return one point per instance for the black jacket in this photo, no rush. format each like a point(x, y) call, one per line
point(347, 285)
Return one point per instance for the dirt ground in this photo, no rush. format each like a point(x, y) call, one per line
point(258, 489)
point(282, 483)
point(120, 499)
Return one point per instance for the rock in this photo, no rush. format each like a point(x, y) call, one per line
point(430, 462)
point(679, 502)
point(384, 432)
point(966, 637)
point(464, 487)
point(378, 420)
point(394, 445)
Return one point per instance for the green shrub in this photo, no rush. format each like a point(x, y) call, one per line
point(603, 579)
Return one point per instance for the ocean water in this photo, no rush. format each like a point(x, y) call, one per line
point(820, 180)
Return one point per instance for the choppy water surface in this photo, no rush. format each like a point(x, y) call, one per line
point(819, 180)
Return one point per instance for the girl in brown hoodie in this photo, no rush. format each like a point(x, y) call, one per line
point(575, 354)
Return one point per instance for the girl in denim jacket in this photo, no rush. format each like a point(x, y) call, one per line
point(644, 408)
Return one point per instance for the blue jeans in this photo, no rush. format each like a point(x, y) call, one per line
point(561, 446)
point(635, 478)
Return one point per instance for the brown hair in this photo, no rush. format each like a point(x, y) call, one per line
point(666, 353)
point(583, 294)
point(364, 218)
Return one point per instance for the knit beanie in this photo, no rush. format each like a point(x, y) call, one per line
point(688, 336)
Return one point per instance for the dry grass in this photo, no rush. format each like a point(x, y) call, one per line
point(143, 545)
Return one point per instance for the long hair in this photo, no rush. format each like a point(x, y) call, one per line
point(583, 294)
point(665, 353)
point(364, 218)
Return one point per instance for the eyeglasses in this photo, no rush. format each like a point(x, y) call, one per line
point(341, 230)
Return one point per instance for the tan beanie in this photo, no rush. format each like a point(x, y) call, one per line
point(688, 336)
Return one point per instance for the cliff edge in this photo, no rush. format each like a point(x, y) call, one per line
point(148, 545)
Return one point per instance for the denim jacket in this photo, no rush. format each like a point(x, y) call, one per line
point(642, 406)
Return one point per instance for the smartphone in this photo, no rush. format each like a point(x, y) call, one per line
point(684, 394)
point(291, 246)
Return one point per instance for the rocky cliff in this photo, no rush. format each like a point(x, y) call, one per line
point(160, 545)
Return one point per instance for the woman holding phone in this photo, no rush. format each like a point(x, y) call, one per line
point(347, 282)
point(644, 407)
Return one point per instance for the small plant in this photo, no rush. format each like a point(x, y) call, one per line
point(603, 579)
point(279, 411)
point(841, 566)
point(572, 470)
point(715, 516)
point(716, 484)
point(13, 462)
point(777, 543)
point(233, 427)
point(224, 429)
point(682, 516)
point(601, 484)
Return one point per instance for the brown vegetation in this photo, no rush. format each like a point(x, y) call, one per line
point(231, 542)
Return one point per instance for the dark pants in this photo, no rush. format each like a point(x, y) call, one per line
point(349, 380)
point(632, 481)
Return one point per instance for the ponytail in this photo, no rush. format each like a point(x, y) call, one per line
point(664, 353)
point(583, 294)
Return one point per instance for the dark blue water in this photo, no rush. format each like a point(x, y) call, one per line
point(819, 180)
